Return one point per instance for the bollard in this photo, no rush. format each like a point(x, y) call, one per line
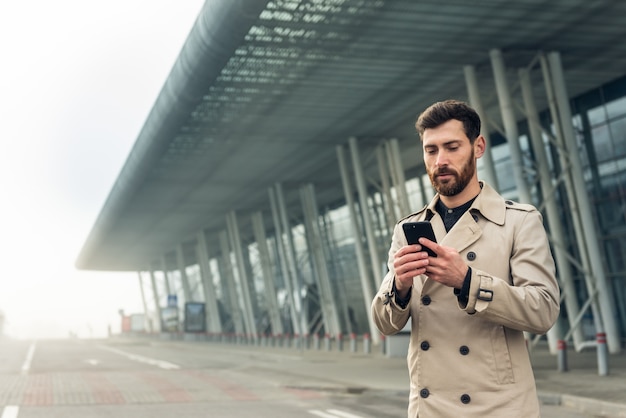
point(367, 344)
point(353, 342)
point(327, 342)
point(340, 342)
point(316, 341)
point(306, 342)
point(383, 343)
point(296, 340)
point(603, 358)
point(561, 346)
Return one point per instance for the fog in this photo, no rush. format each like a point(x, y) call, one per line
point(77, 82)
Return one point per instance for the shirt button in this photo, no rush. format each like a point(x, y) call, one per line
point(471, 256)
point(465, 398)
point(464, 350)
point(424, 393)
point(425, 345)
point(426, 300)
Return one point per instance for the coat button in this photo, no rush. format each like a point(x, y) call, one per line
point(426, 300)
point(508, 202)
point(425, 345)
point(471, 256)
point(425, 392)
point(465, 398)
point(464, 350)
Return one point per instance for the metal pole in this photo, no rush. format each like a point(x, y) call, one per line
point(571, 198)
point(327, 301)
point(166, 280)
point(147, 320)
point(268, 278)
point(365, 209)
point(510, 124)
point(474, 98)
point(157, 304)
point(228, 282)
point(295, 321)
point(397, 173)
point(291, 260)
point(390, 207)
point(212, 312)
point(180, 258)
point(244, 281)
point(552, 213)
point(364, 274)
point(607, 303)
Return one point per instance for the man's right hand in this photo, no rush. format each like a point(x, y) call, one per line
point(408, 262)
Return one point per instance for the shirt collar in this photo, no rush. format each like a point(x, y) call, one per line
point(488, 203)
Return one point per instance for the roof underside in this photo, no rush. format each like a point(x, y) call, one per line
point(263, 92)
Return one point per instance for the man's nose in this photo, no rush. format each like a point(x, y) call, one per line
point(442, 159)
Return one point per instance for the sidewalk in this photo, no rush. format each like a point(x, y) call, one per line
point(581, 388)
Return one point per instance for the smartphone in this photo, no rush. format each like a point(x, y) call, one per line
point(415, 230)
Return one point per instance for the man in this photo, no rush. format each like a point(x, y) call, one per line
point(492, 279)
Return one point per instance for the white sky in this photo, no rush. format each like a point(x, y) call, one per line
point(77, 81)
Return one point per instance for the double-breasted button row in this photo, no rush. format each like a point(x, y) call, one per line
point(465, 398)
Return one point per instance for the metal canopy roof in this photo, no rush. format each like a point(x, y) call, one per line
point(263, 92)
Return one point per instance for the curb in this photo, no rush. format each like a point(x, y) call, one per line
point(585, 405)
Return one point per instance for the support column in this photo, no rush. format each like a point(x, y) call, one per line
point(229, 285)
point(290, 252)
point(371, 238)
point(384, 171)
point(213, 321)
point(180, 259)
point(364, 273)
point(244, 281)
point(327, 301)
point(157, 300)
point(604, 296)
point(552, 213)
point(146, 312)
point(268, 278)
point(166, 279)
point(291, 297)
point(474, 98)
point(397, 173)
point(510, 124)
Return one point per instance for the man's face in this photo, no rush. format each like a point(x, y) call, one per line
point(449, 157)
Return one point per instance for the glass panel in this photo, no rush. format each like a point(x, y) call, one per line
point(616, 108)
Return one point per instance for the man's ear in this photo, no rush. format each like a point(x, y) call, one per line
point(479, 146)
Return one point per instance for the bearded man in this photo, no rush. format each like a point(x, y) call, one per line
point(493, 278)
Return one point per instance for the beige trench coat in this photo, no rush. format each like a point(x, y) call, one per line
point(472, 361)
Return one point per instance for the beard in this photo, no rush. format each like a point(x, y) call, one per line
point(459, 180)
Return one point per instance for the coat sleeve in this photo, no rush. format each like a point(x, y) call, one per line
point(528, 300)
point(388, 316)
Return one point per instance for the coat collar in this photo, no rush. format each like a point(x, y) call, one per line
point(488, 203)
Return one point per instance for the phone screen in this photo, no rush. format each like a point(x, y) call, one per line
point(415, 230)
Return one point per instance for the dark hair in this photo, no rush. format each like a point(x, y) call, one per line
point(441, 112)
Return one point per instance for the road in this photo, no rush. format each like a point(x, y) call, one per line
point(141, 378)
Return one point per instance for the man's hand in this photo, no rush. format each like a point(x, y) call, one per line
point(409, 261)
point(448, 268)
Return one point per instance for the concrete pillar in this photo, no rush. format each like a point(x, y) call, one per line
point(510, 124)
point(364, 274)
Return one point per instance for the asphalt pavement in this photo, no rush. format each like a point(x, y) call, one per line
point(580, 388)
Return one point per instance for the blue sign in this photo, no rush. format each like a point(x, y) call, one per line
point(172, 301)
